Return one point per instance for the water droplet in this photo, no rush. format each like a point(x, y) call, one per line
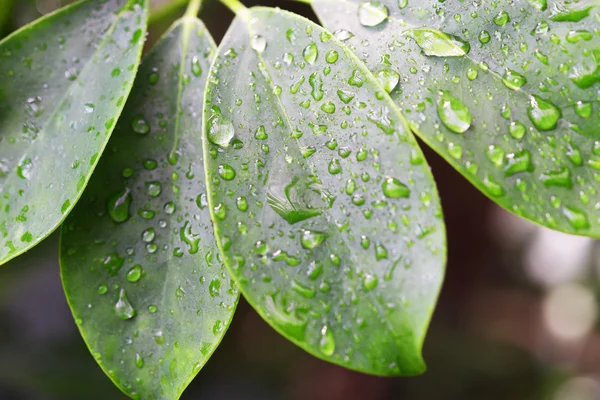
point(303, 290)
point(454, 113)
point(502, 18)
point(139, 361)
point(394, 189)
point(576, 218)
point(388, 78)
point(153, 188)
point(332, 57)
point(573, 11)
point(583, 109)
point(118, 206)
point(290, 205)
point(513, 80)
point(372, 13)
point(316, 83)
point(540, 5)
point(439, 44)
point(192, 239)
point(327, 342)
point(343, 34)
point(140, 126)
point(312, 239)
point(135, 273)
point(543, 113)
point(123, 307)
point(560, 178)
point(370, 282)
point(220, 131)
point(214, 288)
point(310, 53)
point(226, 172)
point(518, 162)
point(258, 43)
point(517, 129)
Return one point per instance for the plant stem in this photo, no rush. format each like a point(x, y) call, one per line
point(193, 8)
point(166, 10)
point(234, 5)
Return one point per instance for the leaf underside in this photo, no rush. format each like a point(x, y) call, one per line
point(324, 207)
point(139, 261)
point(65, 80)
point(507, 92)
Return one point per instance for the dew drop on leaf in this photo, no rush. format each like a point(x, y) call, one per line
point(327, 341)
point(454, 113)
point(310, 53)
point(258, 43)
point(118, 206)
point(543, 113)
point(123, 307)
point(436, 43)
point(394, 189)
point(372, 13)
point(220, 130)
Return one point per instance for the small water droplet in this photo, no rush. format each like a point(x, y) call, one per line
point(123, 307)
point(118, 206)
point(327, 342)
point(310, 53)
point(258, 43)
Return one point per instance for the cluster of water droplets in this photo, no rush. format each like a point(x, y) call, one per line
point(143, 238)
point(505, 91)
point(315, 182)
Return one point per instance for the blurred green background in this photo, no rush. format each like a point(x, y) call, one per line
point(517, 317)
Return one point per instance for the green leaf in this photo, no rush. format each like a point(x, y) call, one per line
point(324, 207)
point(63, 83)
point(139, 262)
point(507, 92)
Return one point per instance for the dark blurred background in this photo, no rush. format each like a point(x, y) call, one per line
point(517, 318)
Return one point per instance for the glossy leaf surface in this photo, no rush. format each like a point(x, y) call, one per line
point(324, 206)
point(506, 91)
point(63, 83)
point(139, 261)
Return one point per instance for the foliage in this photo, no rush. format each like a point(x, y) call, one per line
point(284, 164)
